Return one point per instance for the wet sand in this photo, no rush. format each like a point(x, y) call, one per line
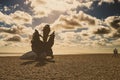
point(65, 67)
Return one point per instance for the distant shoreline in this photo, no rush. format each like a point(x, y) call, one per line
point(75, 54)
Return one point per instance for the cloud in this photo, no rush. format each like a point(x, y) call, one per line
point(116, 23)
point(83, 30)
point(102, 30)
point(42, 8)
point(17, 18)
point(18, 36)
point(84, 5)
point(108, 1)
point(67, 38)
point(84, 33)
point(6, 8)
point(113, 21)
point(4, 35)
point(7, 30)
point(23, 33)
point(10, 37)
point(116, 35)
point(73, 21)
point(20, 17)
point(17, 29)
point(87, 18)
point(14, 38)
point(76, 39)
point(116, 42)
point(105, 1)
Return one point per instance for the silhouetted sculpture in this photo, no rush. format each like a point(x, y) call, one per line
point(43, 48)
point(115, 52)
point(37, 44)
point(49, 45)
point(46, 31)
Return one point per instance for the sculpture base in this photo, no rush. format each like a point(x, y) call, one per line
point(33, 56)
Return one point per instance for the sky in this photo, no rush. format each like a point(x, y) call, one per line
point(81, 26)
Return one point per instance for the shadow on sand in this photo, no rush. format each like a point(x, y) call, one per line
point(38, 63)
point(27, 62)
point(44, 62)
point(30, 58)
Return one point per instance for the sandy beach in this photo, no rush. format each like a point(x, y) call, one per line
point(65, 67)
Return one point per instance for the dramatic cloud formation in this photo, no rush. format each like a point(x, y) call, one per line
point(114, 21)
point(75, 20)
point(11, 36)
point(17, 17)
point(16, 29)
point(78, 23)
point(83, 30)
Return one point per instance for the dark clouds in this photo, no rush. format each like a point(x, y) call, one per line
point(8, 30)
point(102, 30)
point(75, 21)
point(15, 34)
point(14, 38)
point(116, 35)
point(116, 22)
